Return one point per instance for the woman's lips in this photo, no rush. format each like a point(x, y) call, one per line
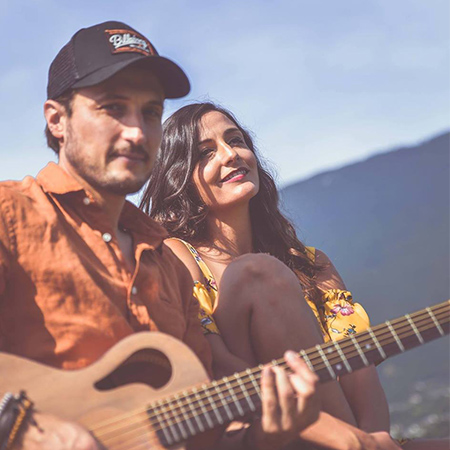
point(235, 175)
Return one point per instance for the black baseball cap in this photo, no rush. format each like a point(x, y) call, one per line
point(96, 53)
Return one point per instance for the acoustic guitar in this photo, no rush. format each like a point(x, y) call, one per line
point(179, 402)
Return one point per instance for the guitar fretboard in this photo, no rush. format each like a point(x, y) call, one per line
point(204, 407)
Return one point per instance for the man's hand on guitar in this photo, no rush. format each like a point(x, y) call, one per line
point(50, 432)
point(289, 404)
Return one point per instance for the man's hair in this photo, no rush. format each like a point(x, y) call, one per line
point(66, 101)
point(172, 198)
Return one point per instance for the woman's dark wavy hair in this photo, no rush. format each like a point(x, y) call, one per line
point(172, 199)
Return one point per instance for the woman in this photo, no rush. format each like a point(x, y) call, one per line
point(252, 274)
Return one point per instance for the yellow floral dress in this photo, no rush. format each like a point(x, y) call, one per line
point(338, 315)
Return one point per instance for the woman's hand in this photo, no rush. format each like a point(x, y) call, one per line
point(289, 405)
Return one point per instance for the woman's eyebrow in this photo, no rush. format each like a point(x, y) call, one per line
point(225, 133)
point(204, 141)
point(232, 130)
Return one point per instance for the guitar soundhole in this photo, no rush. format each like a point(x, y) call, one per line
point(147, 366)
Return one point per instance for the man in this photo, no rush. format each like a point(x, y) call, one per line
point(81, 268)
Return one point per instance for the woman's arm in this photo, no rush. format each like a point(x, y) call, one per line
point(224, 362)
point(362, 388)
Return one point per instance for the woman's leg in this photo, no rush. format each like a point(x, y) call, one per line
point(262, 312)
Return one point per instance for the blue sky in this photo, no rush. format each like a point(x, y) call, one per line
point(320, 83)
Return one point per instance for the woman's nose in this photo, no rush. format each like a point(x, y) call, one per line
point(228, 153)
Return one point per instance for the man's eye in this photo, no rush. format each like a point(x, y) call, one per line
point(113, 108)
point(153, 112)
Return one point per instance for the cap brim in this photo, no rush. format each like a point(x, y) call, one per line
point(172, 78)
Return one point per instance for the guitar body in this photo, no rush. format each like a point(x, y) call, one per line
point(87, 396)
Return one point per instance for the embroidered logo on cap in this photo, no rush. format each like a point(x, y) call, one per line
point(129, 41)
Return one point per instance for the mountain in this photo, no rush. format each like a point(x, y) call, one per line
point(384, 222)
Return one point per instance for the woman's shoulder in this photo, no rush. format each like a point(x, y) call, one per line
point(186, 253)
point(327, 276)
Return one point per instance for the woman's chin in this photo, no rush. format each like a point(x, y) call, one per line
point(240, 199)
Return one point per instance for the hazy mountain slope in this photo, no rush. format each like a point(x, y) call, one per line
point(385, 224)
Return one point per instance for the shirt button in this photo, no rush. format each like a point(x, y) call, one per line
point(86, 201)
point(107, 237)
point(134, 290)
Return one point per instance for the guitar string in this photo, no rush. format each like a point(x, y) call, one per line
point(253, 391)
point(361, 339)
point(402, 336)
point(154, 433)
point(281, 364)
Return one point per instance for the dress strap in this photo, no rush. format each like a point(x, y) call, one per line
point(209, 277)
point(311, 253)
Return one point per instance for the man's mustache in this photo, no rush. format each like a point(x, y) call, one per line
point(136, 151)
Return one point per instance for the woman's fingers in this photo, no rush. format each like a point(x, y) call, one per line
point(304, 383)
point(289, 401)
point(271, 417)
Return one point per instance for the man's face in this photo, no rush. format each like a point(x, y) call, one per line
point(112, 136)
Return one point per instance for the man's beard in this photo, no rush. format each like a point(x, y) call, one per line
point(91, 170)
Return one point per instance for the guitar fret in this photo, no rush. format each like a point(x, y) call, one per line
point(213, 405)
point(222, 400)
point(344, 359)
point(185, 416)
point(171, 425)
point(377, 344)
point(251, 375)
point(161, 425)
point(244, 390)
point(359, 350)
point(325, 360)
point(397, 339)
point(183, 431)
point(203, 408)
point(436, 323)
point(413, 326)
point(233, 396)
point(194, 413)
point(307, 360)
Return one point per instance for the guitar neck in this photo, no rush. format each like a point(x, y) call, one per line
point(205, 407)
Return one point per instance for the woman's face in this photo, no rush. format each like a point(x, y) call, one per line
point(226, 174)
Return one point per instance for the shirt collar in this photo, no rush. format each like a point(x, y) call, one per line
point(55, 180)
point(141, 225)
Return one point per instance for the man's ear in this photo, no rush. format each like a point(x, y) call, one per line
point(55, 115)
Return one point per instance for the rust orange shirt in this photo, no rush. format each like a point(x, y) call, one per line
point(66, 295)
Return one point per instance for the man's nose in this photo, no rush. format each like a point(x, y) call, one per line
point(134, 129)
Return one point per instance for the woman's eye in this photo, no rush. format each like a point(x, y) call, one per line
point(206, 152)
point(236, 141)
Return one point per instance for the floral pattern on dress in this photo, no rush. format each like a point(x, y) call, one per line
point(210, 281)
point(205, 292)
point(338, 316)
point(342, 317)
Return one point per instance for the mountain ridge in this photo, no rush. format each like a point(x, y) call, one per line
point(374, 154)
point(384, 222)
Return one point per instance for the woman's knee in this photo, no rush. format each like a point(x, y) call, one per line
point(264, 282)
point(259, 270)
